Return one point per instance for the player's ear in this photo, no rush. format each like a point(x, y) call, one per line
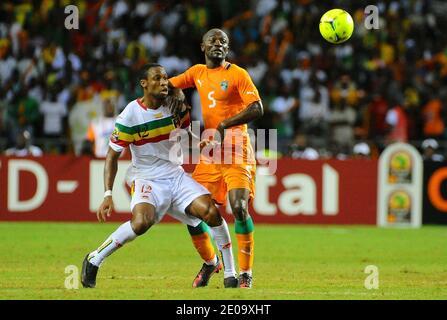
point(143, 83)
point(202, 47)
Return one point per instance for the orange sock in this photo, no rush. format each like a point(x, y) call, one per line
point(246, 244)
point(202, 242)
point(203, 245)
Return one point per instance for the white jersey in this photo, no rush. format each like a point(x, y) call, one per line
point(147, 132)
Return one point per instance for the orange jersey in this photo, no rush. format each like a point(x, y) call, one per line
point(224, 91)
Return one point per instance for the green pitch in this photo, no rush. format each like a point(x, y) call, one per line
point(291, 262)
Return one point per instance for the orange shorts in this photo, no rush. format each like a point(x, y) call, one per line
point(221, 178)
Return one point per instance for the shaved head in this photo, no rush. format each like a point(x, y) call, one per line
point(215, 45)
point(213, 31)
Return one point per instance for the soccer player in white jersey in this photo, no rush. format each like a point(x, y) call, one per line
point(159, 183)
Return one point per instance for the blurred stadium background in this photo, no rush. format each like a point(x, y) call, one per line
point(404, 63)
point(331, 104)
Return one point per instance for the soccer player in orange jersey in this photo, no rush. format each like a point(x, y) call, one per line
point(229, 101)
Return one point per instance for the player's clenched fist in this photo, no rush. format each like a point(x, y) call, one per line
point(105, 209)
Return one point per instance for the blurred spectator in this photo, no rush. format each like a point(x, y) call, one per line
point(361, 151)
point(433, 117)
point(257, 68)
point(284, 105)
point(110, 90)
point(264, 7)
point(376, 113)
point(197, 16)
point(397, 120)
point(85, 90)
point(36, 90)
point(101, 129)
point(53, 113)
point(342, 120)
point(23, 147)
point(314, 111)
point(7, 61)
point(24, 113)
point(429, 149)
point(345, 89)
point(174, 64)
point(155, 42)
point(412, 102)
point(79, 119)
point(301, 150)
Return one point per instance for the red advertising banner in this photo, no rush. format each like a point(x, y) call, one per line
point(318, 192)
point(50, 188)
point(66, 188)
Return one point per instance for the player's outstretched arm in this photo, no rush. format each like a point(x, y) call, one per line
point(254, 111)
point(110, 169)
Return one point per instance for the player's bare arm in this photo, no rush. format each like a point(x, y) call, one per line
point(175, 99)
point(110, 169)
point(254, 111)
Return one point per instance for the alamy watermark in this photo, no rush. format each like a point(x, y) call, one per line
point(72, 20)
point(372, 17)
point(238, 147)
point(72, 280)
point(372, 280)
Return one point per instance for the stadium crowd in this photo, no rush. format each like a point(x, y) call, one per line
point(62, 87)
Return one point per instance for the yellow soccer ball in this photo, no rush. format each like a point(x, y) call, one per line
point(336, 26)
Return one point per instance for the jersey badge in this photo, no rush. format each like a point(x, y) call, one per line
point(115, 134)
point(224, 85)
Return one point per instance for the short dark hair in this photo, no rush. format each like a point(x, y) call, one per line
point(142, 75)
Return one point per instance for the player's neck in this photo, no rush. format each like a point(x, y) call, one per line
point(213, 63)
point(151, 102)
